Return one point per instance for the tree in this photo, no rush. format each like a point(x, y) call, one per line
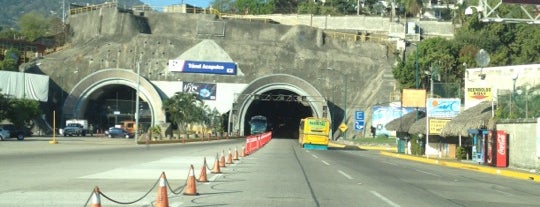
point(4, 106)
point(22, 111)
point(33, 26)
point(182, 109)
point(11, 60)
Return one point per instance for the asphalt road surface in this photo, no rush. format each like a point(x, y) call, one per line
point(36, 173)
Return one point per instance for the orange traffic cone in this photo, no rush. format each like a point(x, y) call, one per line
point(191, 188)
point(216, 169)
point(96, 201)
point(235, 153)
point(202, 176)
point(162, 200)
point(229, 158)
point(243, 152)
point(222, 159)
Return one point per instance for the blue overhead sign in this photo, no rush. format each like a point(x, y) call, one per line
point(207, 67)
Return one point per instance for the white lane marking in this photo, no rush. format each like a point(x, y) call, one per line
point(428, 173)
point(315, 156)
point(394, 164)
point(502, 192)
point(326, 163)
point(384, 199)
point(345, 174)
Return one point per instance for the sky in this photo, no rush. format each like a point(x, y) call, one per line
point(159, 4)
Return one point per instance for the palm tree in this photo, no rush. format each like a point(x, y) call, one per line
point(182, 109)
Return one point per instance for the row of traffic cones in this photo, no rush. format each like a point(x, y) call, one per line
point(162, 199)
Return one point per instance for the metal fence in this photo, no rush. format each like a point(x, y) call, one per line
point(519, 103)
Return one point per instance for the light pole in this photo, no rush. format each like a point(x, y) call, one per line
point(137, 115)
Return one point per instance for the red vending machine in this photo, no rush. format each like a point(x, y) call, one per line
point(502, 149)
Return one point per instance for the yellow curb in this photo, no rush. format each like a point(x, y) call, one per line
point(378, 148)
point(479, 168)
point(332, 144)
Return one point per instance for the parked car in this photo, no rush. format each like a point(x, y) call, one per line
point(14, 132)
point(118, 132)
point(4, 134)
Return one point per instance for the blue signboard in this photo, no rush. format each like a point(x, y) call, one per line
point(359, 115)
point(384, 114)
point(359, 125)
point(443, 107)
point(190, 66)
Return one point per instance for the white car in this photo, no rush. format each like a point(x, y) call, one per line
point(4, 134)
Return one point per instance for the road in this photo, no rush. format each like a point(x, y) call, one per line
point(36, 173)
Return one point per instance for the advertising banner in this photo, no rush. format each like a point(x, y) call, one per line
point(190, 66)
point(501, 160)
point(443, 107)
point(436, 125)
point(414, 98)
point(206, 91)
point(384, 114)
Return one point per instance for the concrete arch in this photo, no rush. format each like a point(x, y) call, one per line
point(313, 97)
point(77, 100)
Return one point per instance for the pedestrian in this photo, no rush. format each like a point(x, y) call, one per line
point(91, 130)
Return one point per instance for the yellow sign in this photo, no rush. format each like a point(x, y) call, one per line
point(413, 98)
point(480, 93)
point(436, 126)
point(343, 127)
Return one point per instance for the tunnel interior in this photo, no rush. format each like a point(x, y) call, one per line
point(112, 104)
point(282, 111)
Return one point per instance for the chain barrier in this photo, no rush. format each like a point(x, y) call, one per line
point(173, 191)
point(124, 203)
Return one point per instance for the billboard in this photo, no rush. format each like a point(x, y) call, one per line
point(443, 107)
point(207, 67)
point(436, 125)
point(384, 114)
point(414, 98)
point(206, 91)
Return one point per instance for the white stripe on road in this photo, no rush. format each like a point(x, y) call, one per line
point(428, 173)
point(315, 156)
point(394, 164)
point(385, 199)
point(345, 174)
point(326, 163)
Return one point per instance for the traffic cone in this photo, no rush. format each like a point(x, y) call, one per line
point(222, 159)
point(243, 152)
point(235, 154)
point(229, 158)
point(96, 201)
point(202, 176)
point(162, 200)
point(191, 188)
point(216, 169)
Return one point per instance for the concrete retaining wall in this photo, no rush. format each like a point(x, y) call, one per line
point(522, 144)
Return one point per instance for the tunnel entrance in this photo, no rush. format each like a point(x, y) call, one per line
point(282, 110)
point(113, 104)
point(283, 98)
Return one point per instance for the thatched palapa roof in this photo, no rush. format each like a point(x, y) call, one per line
point(418, 127)
point(403, 123)
point(476, 117)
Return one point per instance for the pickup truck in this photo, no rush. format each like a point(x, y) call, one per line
point(74, 129)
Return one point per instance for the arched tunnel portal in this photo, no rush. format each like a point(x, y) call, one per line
point(107, 97)
point(284, 99)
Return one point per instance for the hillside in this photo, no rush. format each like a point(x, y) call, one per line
point(11, 10)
